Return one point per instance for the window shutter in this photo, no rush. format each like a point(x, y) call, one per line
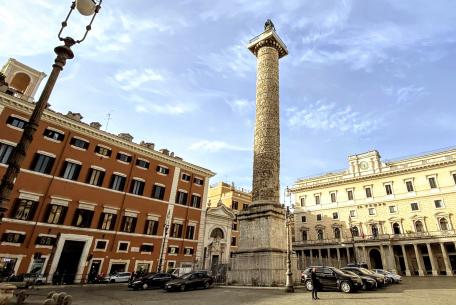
point(180, 231)
point(32, 211)
point(113, 222)
point(21, 238)
point(133, 225)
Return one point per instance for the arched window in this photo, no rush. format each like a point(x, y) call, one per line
point(374, 230)
point(20, 82)
point(443, 224)
point(396, 228)
point(304, 235)
point(355, 231)
point(320, 234)
point(217, 233)
point(419, 228)
point(337, 233)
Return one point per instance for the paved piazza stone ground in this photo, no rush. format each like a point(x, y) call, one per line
point(413, 291)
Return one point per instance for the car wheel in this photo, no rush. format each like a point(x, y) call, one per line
point(345, 287)
point(309, 285)
point(112, 281)
point(145, 286)
point(207, 285)
point(364, 286)
point(182, 288)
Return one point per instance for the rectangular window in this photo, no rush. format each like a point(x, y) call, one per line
point(15, 238)
point(393, 209)
point(198, 181)
point(107, 221)
point(388, 189)
point(368, 192)
point(181, 197)
point(151, 227)
point(137, 187)
point(335, 215)
point(142, 163)
point(16, 122)
point(162, 170)
point(414, 206)
point(79, 143)
point(371, 211)
point(117, 182)
point(123, 157)
point(438, 204)
point(333, 197)
point(196, 201)
point(42, 163)
point(317, 199)
point(158, 192)
point(70, 170)
point(303, 201)
point(318, 217)
point(188, 251)
point(432, 182)
point(101, 245)
point(234, 205)
point(176, 230)
point(190, 233)
point(303, 219)
point(25, 209)
point(233, 241)
point(122, 246)
point(45, 241)
point(186, 177)
point(245, 206)
point(350, 194)
point(82, 218)
point(454, 178)
point(101, 150)
point(146, 248)
point(54, 135)
point(173, 250)
point(56, 214)
point(409, 185)
point(5, 152)
point(352, 213)
point(95, 177)
point(128, 224)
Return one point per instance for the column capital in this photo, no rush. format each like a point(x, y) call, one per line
point(268, 38)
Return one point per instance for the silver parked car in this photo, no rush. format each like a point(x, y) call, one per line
point(395, 278)
point(119, 277)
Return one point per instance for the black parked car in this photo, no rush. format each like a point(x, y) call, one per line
point(151, 280)
point(364, 272)
point(333, 279)
point(190, 280)
point(368, 282)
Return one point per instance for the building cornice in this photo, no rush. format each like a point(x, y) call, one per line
point(84, 129)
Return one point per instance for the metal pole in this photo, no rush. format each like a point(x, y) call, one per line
point(353, 240)
point(18, 154)
point(289, 283)
point(160, 260)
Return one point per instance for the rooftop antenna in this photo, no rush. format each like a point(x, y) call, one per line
point(109, 119)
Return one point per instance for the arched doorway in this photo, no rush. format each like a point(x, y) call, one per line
point(375, 259)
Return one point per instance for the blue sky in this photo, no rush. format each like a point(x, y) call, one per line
point(360, 75)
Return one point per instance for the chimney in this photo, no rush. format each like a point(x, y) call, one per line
point(164, 151)
point(74, 116)
point(171, 154)
point(95, 125)
point(126, 136)
point(147, 145)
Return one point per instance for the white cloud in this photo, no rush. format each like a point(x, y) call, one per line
point(235, 59)
point(408, 93)
point(144, 105)
point(324, 116)
point(215, 146)
point(133, 79)
point(241, 106)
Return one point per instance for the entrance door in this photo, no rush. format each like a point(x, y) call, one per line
point(120, 267)
point(69, 262)
point(375, 259)
point(94, 270)
point(427, 264)
point(214, 263)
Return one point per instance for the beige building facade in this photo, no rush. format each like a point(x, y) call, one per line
point(396, 215)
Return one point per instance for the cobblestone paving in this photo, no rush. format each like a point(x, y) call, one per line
point(416, 291)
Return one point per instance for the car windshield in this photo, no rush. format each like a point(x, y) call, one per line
point(350, 272)
point(365, 271)
point(186, 276)
point(340, 272)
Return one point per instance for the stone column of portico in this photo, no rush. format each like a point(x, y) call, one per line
point(348, 255)
point(419, 260)
point(311, 257)
point(434, 265)
point(338, 258)
point(320, 258)
point(406, 262)
point(446, 260)
point(384, 259)
point(392, 259)
point(365, 257)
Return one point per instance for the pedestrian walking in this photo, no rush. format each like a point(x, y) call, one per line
point(315, 284)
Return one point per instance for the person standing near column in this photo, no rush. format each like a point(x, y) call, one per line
point(315, 284)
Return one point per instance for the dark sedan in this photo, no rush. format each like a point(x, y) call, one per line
point(190, 280)
point(368, 282)
point(364, 272)
point(151, 280)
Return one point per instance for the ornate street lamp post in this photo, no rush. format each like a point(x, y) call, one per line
point(352, 239)
point(288, 218)
point(64, 52)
